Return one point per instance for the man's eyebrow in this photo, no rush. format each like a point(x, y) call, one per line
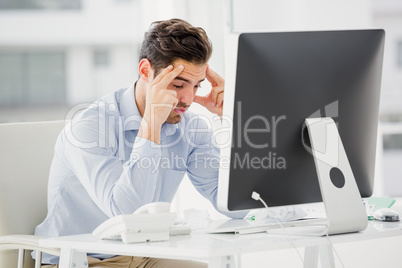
point(186, 80)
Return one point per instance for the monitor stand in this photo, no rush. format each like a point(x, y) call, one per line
point(343, 203)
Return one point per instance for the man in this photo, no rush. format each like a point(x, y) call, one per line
point(133, 146)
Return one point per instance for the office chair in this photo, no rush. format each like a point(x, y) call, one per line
point(26, 152)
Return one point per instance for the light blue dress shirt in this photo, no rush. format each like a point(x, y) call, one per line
point(102, 169)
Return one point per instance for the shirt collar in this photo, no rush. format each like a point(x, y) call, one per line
point(129, 110)
point(132, 117)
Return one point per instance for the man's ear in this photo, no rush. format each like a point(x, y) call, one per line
point(145, 70)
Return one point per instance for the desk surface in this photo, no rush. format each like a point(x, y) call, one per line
point(203, 246)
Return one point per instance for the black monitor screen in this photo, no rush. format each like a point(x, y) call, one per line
point(284, 77)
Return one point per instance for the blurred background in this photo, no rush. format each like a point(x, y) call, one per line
point(57, 56)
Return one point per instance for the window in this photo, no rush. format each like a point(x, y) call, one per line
point(392, 157)
point(40, 4)
point(33, 78)
point(399, 54)
point(101, 57)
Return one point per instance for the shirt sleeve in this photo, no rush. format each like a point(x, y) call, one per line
point(115, 187)
point(203, 168)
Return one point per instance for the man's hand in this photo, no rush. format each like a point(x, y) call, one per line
point(159, 103)
point(213, 101)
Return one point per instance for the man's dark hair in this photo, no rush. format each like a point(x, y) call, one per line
point(170, 40)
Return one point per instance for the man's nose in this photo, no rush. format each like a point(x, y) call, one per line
point(187, 95)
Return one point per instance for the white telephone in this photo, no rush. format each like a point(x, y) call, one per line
point(150, 222)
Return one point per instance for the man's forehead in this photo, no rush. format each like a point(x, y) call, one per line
point(192, 72)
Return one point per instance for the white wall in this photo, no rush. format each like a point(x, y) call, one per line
point(87, 82)
point(98, 22)
point(299, 15)
point(388, 16)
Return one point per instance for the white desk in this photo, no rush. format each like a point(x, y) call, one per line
point(219, 250)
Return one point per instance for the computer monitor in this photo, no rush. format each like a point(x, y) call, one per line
point(274, 81)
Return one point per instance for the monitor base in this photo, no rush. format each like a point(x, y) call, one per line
point(343, 204)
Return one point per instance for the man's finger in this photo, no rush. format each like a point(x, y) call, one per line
point(215, 91)
point(199, 99)
point(170, 76)
point(162, 74)
point(214, 78)
point(171, 92)
point(219, 99)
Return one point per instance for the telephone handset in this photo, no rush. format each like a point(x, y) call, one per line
point(156, 207)
point(150, 222)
